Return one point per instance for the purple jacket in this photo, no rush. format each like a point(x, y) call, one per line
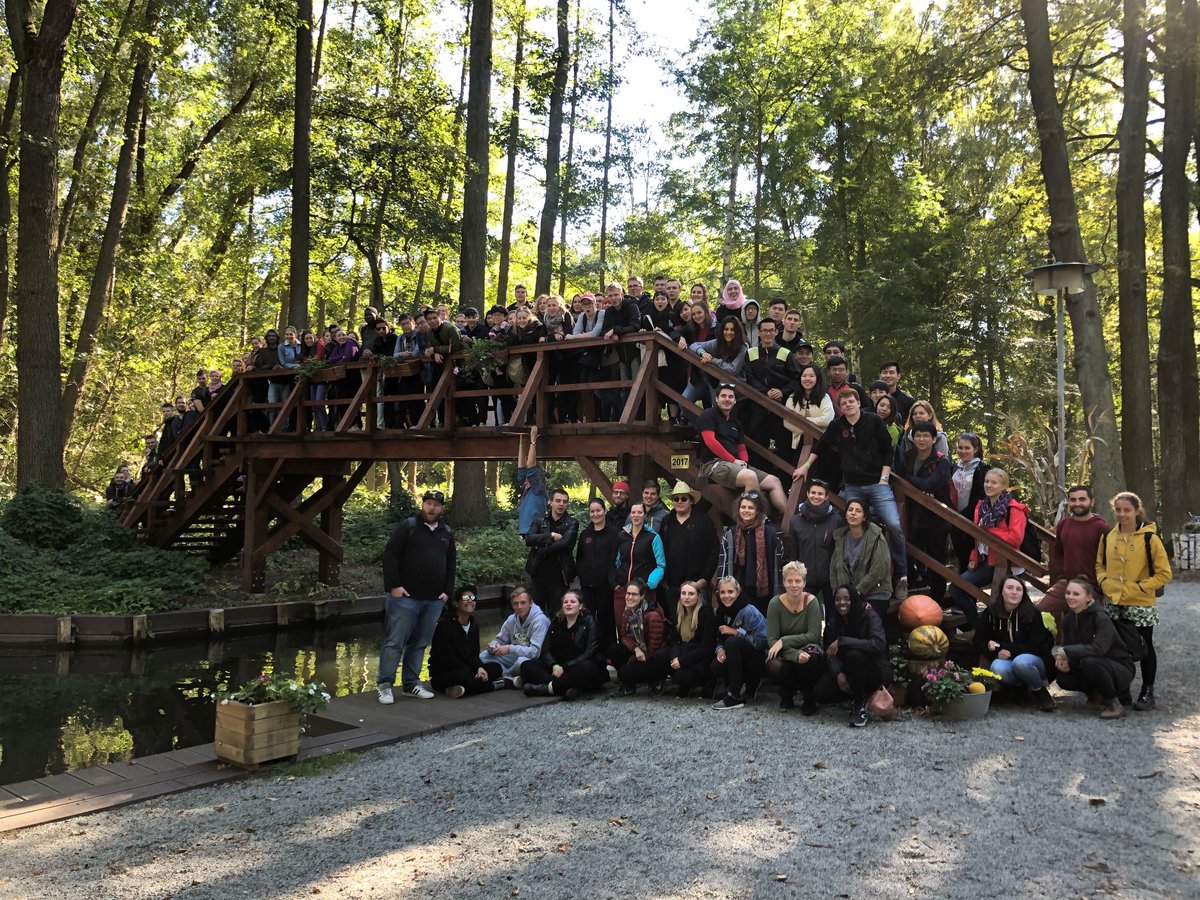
point(342, 353)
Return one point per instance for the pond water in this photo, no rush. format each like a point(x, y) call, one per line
point(61, 711)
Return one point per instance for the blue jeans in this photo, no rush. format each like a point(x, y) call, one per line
point(276, 393)
point(407, 629)
point(1025, 669)
point(980, 576)
point(510, 663)
point(883, 503)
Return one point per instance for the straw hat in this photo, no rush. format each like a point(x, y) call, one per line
point(681, 487)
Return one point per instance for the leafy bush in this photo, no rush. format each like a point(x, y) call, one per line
point(490, 556)
point(43, 518)
point(99, 569)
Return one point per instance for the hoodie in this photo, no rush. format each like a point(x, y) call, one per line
point(1021, 631)
point(810, 539)
point(1091, 632)
point(860, 629)
point(525, 637)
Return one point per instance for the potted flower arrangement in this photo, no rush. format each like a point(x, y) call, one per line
point(948, 690)
point(480, 362)
point(317, 370)
point(261, 720)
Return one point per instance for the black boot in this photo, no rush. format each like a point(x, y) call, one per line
point(537, 690)
point(1145, 699)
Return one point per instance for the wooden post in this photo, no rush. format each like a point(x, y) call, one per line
point(329, 570)
point(141, 629)
point(216, 621)
point(65, 631)
point(255, 532)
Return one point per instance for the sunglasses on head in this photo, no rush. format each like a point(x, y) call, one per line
point(732, 387)
point(749, 495)
point(435, 495)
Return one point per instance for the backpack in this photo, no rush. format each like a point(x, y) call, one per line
point(1158, 592)
point(1031, 544)
point(1129, 636)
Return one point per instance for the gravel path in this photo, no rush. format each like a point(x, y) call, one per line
point(641, 797)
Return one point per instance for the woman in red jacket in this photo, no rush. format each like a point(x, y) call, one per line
point(640, 634)
point(1003, 515)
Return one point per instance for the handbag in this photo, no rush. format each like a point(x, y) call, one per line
point(515, 370)
point(882, 706)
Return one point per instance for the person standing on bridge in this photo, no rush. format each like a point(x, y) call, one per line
point(418, 576)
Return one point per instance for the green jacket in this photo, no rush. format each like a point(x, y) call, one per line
point(873, 572)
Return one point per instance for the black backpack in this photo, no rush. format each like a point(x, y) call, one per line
point(1149, 560)
point(1031, 544)
point(1130, 637)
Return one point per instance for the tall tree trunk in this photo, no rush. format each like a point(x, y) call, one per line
point(510, 175)
point(459, 111)
point(316, 69)
point(758, 189)
point(1177, 382)
point(610, 89)
point(301, 170)
point(88, 134)
point(39, 53)
point(104, 274)
point(735, 163)
point(1137, 405)
point(7, 160)
point(569, 179)
point(545, 251)
point(470, 503)
point(1066, 242)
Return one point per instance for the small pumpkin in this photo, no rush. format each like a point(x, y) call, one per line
point(976, 687)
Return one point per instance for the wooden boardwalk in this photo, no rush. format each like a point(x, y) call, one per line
point(360, 720)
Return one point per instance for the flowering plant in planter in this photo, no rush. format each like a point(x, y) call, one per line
point(306, 697)
point(989, 679)
point(946, 684)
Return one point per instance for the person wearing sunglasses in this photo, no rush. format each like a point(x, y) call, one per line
point(723, 455)
point(454, 664)
point(690, 544)
point(418, 576)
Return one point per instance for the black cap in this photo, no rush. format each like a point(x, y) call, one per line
point(470, 311)
point(807, 344)
point(434, 495)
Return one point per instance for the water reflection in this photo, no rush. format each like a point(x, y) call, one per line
point(62, 711)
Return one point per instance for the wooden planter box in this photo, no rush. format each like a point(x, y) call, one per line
point(249, 735)
point(404, 369)
point(328, 373)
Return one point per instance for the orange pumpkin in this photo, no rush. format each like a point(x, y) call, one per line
point(919, 610)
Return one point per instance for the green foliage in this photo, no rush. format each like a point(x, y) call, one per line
point(42, 518)
point(61, 556)
point(490, 556)
point(307, 697)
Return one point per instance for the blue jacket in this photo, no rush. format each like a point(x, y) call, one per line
point(749, 622)
point(289, 355)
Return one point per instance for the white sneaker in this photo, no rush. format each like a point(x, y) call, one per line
point(385, 694)
point(612, 672)
point(418, 692)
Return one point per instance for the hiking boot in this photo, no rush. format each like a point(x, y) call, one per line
point(787, 701)
point(455, 691)
point(858, 715)
point(729, 702)
point(1113, 710)
point(1145, 699)
point(1044, 701)
point(385, 694)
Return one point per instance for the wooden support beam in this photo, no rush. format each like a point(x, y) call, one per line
point(593, 471)
point(255, 520)
point(352, 409)
point(648, 367)
point(291, 405)
point(440, 390)
point(523, 402)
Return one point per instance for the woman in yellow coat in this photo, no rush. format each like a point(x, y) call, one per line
point(1131, 566)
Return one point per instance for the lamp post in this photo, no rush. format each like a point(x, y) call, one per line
point(1058, 279)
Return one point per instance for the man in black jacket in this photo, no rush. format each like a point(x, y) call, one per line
point(809, 540)
point(550, 565)
point(927, 470)
point(418, 576)
point(690, 544)
point(770, 371)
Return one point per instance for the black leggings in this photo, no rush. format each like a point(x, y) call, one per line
point(790, 676)
point(1097, 675)
point(588, 675)
point(598, 598)
point(465, 676)
point(743, 665)
point(862, 671)
point(656, 668)
point(1150, 660)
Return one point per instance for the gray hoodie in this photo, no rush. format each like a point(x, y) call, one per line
point(525, 639)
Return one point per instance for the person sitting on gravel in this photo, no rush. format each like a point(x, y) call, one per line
point(520, 638)
point(454, 665)
point(1093, 658)
point(641, 633)
point(795, 657)
point(690, 653)
point(571, 660)
point(1014, 642)
point(856, 654)
point(741, 646)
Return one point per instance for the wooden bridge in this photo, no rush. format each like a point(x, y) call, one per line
point(224, 488)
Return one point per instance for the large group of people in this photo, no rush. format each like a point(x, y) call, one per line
point(635, 563)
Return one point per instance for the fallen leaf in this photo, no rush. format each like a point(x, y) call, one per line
point(564, 847)
point(1098, 867)
point(1018, 738)
point(1153, 774)
point(819, 764)
point(1096, 801)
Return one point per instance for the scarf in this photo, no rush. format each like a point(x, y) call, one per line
point(732, 302)
point(993, 512)
point(635, 625)
point(762, 585)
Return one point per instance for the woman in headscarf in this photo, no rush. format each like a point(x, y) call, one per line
point(732, 300)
